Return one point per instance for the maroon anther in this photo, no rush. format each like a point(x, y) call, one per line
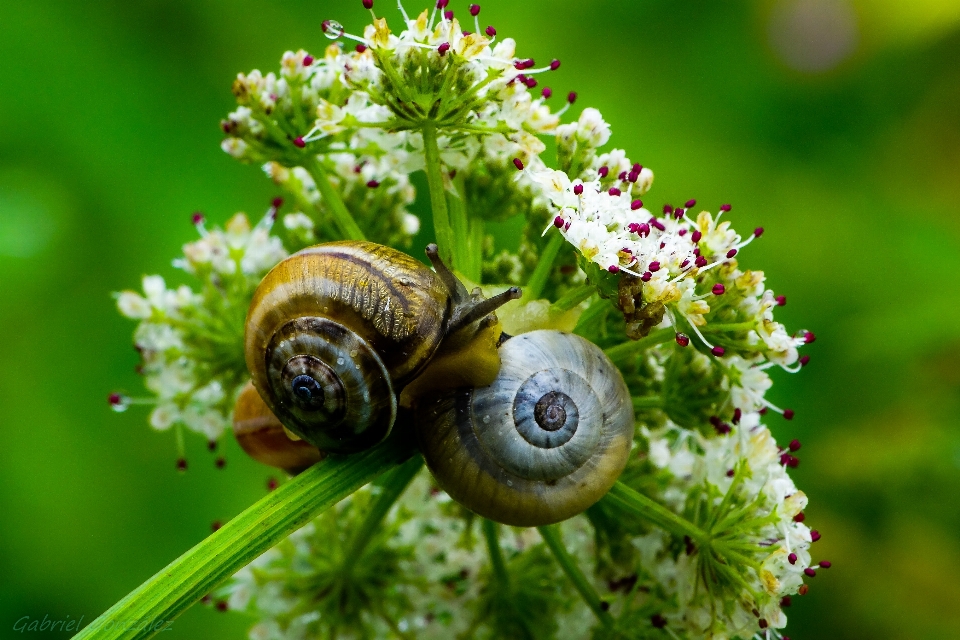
point(731, 253)
point(667, 210)
point(490, 31)
point(613, 269)
point(298, 142)
point(690, 204)
point(572, 97)
point(814, 535)
point(277, 202)
point(577, 189)
point(195, 219)
point(373, 184)
point(792, 558)
point(725, 207)
point(603, 171)
point(654, 266)
point(636, 204)
point(758, 232)
point(307, 61)
point(695, 237)
point(795, 445)
point(614, 191)
point(788, 414)
point(558, 222)
point(368, 4)
point(808, 337)
point(547, 92)
point(825, 564)
point(781, 301)
point(682, 340)
point(718, 351)
point(360, 48)
point(518, 163)
point(810, 573)
point(474, 9)
point(718, 289)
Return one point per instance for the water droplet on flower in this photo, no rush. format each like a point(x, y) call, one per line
point(332, 29)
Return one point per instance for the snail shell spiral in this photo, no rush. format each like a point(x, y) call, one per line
point(542, 443)
point(334, 331)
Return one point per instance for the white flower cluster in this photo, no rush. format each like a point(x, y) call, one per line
point(191, 343)
point(446, 555)
point(745, 474)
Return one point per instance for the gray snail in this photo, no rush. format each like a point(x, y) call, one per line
point(544, 441)
point(336, 332)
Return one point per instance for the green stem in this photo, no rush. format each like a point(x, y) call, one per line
point(574, 297)
point(551, 535)
point(731, 326)
point(647, 402)
point(538, 279)
point(341, 215)
point(638, 504)
point(446, 239)
point(491, 535)
point(201, 569)
point(392, 484)
point(623, 351)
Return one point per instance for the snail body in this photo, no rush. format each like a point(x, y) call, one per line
point(262, 436)
point(336, 331)
point(544, 441)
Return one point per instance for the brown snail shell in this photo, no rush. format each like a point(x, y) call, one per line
point(334, 333)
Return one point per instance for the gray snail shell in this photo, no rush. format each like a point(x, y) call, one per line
point(545, 441)
point(334, 332)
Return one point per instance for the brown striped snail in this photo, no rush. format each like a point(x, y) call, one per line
point(336, 331)
point(544, 441)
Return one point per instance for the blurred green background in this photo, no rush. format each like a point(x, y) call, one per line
point(835, 124)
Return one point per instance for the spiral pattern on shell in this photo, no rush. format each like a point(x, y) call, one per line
point(334, 331)
point(542, 443)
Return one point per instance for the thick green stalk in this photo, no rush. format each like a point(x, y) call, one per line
point(623, 351)
point(392, 484)
point(538, 279)
point(446, 239)
point(201, 569)
point(492, 536)
point(551, 535)
point(638, 504)
point(342, 217)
